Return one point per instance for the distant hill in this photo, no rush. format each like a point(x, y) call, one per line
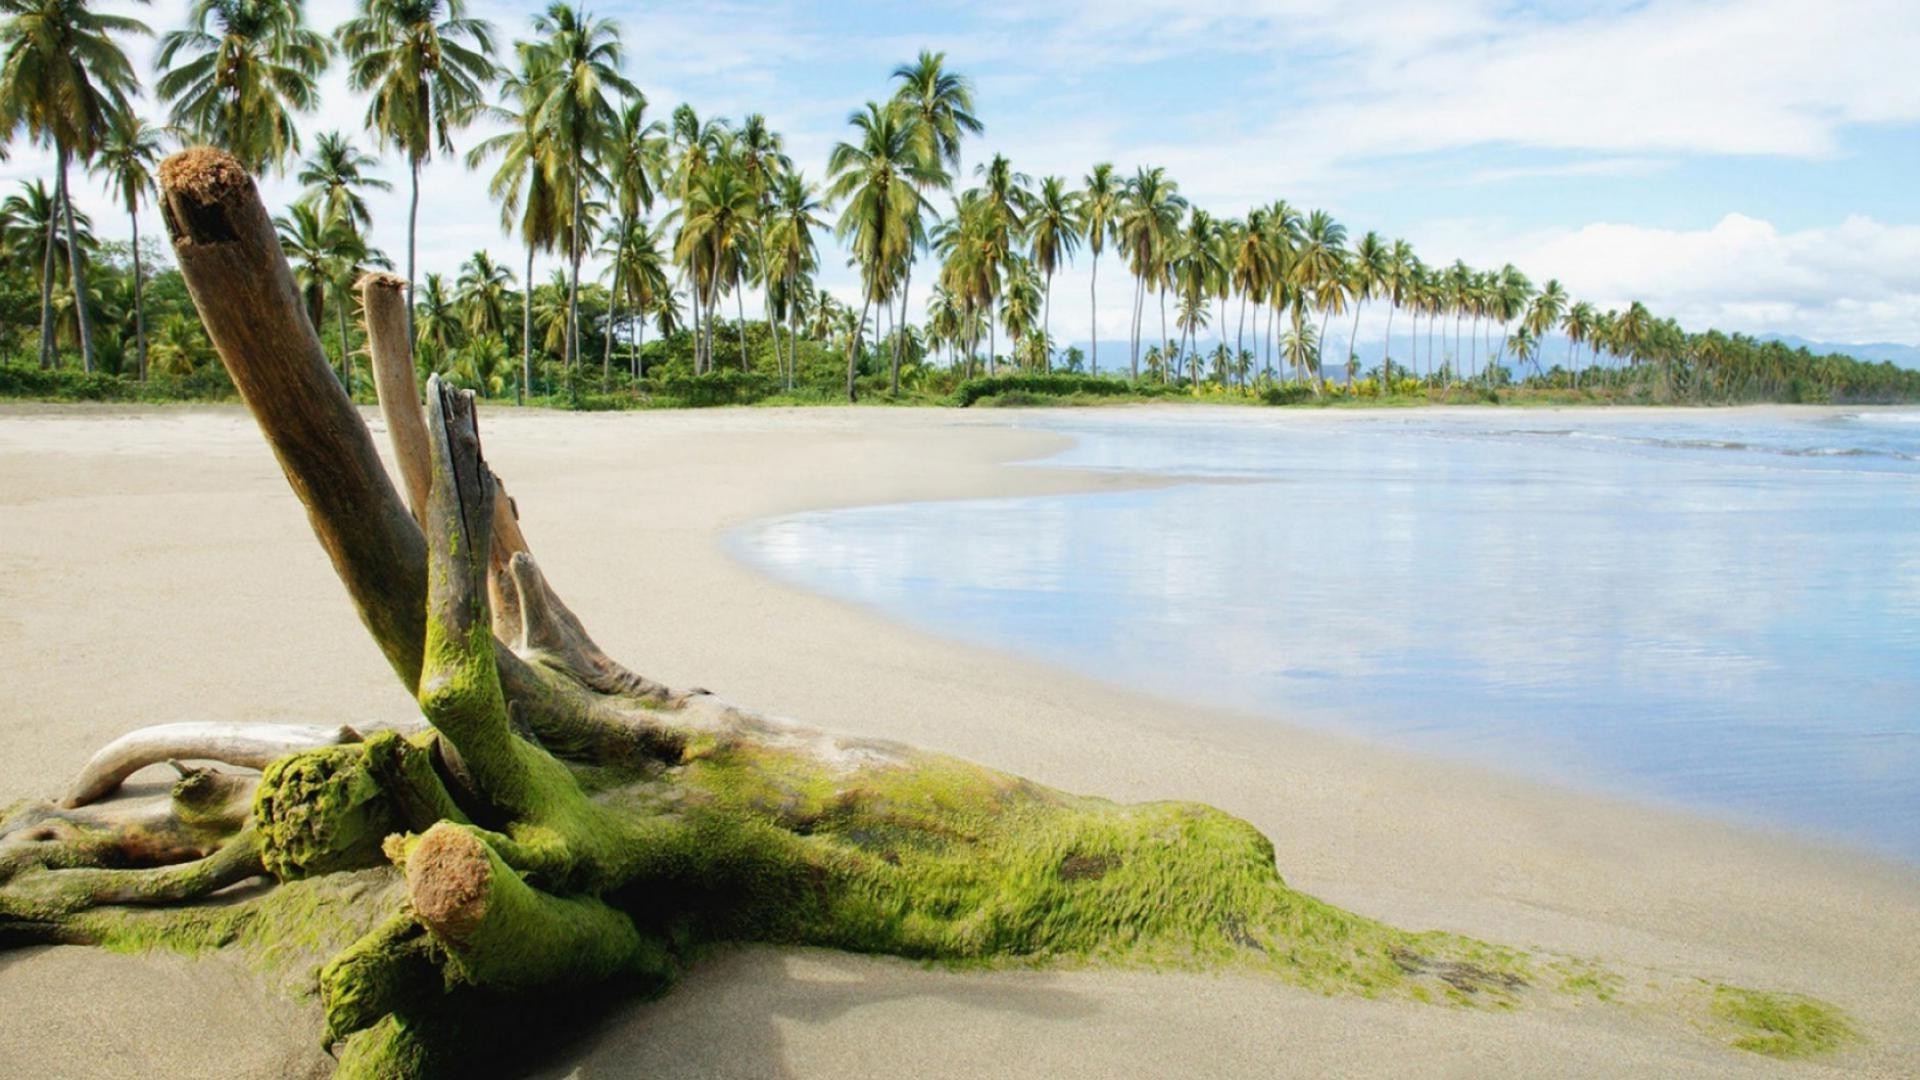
point(1907, 356)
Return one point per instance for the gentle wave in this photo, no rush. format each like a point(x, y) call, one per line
point(1680, 443)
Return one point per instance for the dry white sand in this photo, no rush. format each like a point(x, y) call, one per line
point(154, 567)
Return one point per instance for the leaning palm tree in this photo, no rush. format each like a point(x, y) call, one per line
point(1053, 231)
point(878, 178)
point(1099, 212)
point(581, 68)
point(239, 72)
point(63, 78)
point(336, 174)
point(426, 65)
point(126, 159)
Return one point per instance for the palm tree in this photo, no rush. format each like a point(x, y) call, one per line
point(250, 66)
point(1371, 267)
point(63, 77)
point(335, 174)
point(1543, 315)
point(1149, 219)
point(789, 244)
point(485, 288)
point(439, 319)
point(32, 219)
point(1199, 268)
point(524, 183)
point(1319, 271)
point(762, 159)
point(637, 153)
point(1053, 231)
point(1579, 324)
point(1100, 199)
point(1397, 283)
point(315, 242)
point(127, 157)
point(643, 277)
point(942, 101)
point(878, 179)
point(716, 229)
point(582, 63)
point(426, 64)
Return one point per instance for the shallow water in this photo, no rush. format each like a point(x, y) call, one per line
point(1714, 609)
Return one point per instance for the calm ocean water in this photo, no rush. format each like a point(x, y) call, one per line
point(1714, 609)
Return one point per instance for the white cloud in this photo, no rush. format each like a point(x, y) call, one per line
point(1342, 95)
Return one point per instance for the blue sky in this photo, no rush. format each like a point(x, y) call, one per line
point(1749, 165)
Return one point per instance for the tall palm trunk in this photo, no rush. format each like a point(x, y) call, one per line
point(793, 353)
point(899, 328)
point(740, 308)
point(1353, 350)
point(1163, 317)
point(1093, 298)
point(613, 311)
point(47, 352)
point(1320, 354)
point(413, 232)
point(526, 331)
point(78, 271)
point(853, 346)
point(1386, 358)
point(1046, 322)
point(1139, 287)
point(1240, 332)
point(773, 328)
point(573, 277)
point(346, 354)
point(139, 297)
point(639, 344)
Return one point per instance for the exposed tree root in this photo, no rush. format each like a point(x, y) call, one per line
point(564, 824)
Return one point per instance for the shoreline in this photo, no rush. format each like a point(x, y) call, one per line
point(630, 512)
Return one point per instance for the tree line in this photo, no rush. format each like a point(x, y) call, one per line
point(692, 216)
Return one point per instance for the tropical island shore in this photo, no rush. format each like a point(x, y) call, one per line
point(154, 565)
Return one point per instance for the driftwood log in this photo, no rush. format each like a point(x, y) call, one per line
point(560, 828)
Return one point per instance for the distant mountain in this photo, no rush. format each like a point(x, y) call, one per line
point(1907, 356)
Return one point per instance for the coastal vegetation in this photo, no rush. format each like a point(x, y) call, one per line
point(557, 830)
point(690, 248)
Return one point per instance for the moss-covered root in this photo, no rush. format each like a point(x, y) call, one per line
point(475, 937)
point(44, 898)
point(501, 933)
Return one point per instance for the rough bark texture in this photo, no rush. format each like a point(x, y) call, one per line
point(563, 828)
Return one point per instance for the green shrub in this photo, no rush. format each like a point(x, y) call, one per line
point(723, 387)
point(1030, 387)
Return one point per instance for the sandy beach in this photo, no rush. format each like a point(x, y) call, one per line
point(155, 567)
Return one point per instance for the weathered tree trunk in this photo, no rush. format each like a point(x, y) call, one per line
point(562, 827)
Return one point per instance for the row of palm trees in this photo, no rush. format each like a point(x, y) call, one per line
point(579, 167)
